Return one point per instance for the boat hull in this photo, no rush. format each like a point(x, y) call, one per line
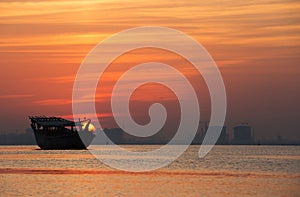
point(63, 140)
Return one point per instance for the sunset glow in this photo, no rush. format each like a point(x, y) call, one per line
point(255, 45)
point(91, 127)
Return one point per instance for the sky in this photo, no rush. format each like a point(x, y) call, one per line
point(255, 44)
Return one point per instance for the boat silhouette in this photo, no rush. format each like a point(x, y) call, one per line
point(58, 133)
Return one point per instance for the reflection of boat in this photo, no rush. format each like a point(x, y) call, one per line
point(59, 133)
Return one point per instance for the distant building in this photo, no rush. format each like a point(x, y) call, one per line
point(115, 135)
point(119, 136)
point(223, 136)
point(243, 134)
point(200, 135)
point(26, 138)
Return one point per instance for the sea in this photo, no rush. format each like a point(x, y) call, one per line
point(225, 171)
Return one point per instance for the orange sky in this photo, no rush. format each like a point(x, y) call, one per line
point(255, 44)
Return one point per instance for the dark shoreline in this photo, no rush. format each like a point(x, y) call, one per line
point(291, 144)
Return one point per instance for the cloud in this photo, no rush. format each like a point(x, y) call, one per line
point(15, 96)
point(61, 79)
point(54, 102)
point(99, 115)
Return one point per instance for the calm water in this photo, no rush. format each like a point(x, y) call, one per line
point(225, 171)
